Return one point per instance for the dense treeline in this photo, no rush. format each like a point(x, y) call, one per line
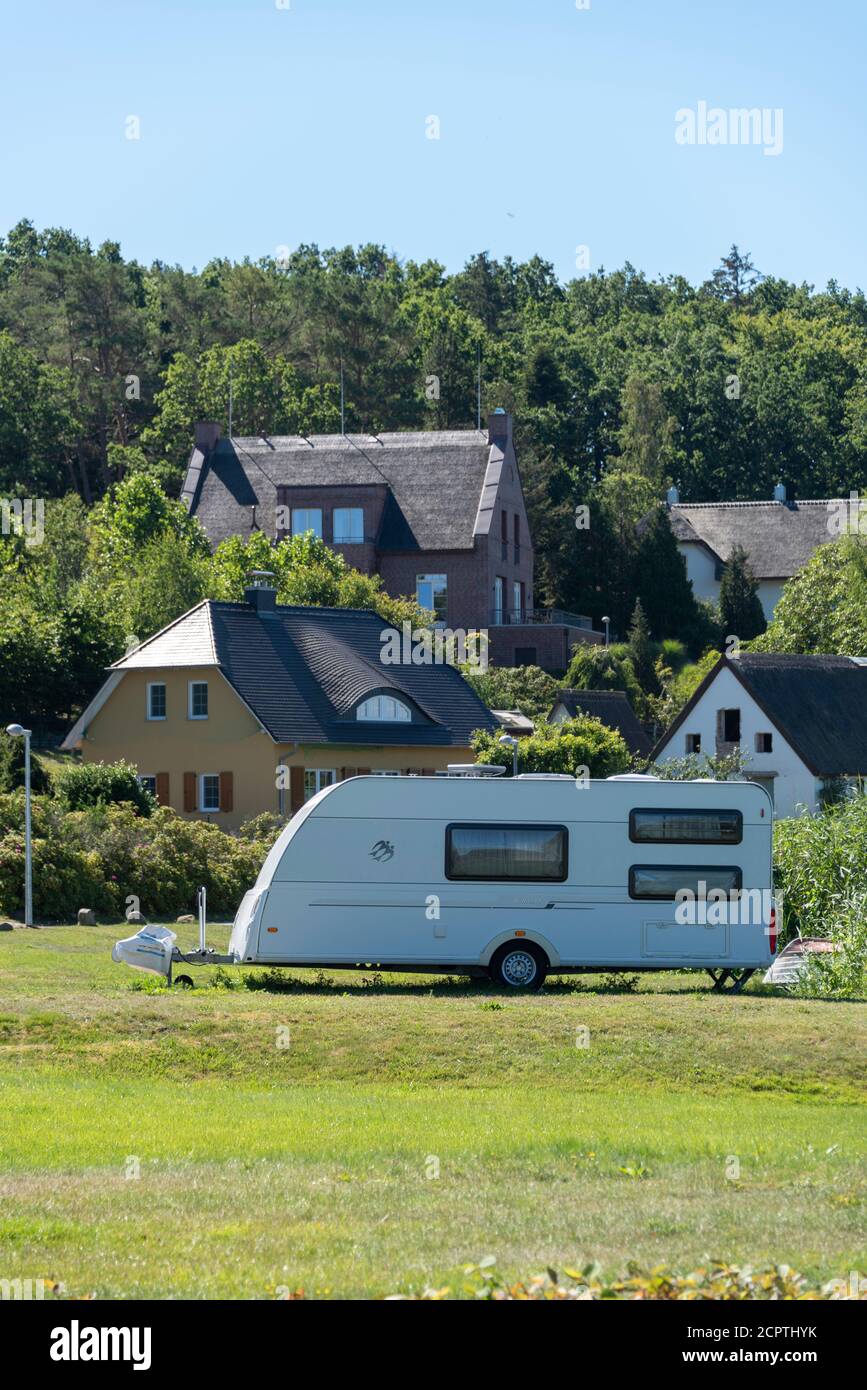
point(619, 384)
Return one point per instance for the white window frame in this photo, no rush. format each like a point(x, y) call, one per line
point(148, 777)
point(498, 598)
point(371, 711)
point(354, 513)
point(302, 530)
point(190, 715)
point(318, 773)
point(203, 809)
point(154, 685)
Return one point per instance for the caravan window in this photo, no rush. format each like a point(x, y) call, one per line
point(686, 827)
point(507, 852)
point(663, 881)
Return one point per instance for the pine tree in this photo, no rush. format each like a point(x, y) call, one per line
point(641, 648)
point(740, 607)
point(661, 583)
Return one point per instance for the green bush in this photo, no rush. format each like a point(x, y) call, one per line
point(12, 766)
point(564, 748)
point(101, 784)
point(99, 856)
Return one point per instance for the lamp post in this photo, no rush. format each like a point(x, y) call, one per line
point(508, 742)
point(607, 622)
point(16, 731)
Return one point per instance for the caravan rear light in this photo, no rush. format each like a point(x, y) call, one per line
point(772, 930)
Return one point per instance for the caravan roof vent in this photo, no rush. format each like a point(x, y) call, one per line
point(475, 770)
point(545, 777)
point(633, 777)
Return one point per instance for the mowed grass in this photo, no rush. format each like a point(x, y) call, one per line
point(362, 1136)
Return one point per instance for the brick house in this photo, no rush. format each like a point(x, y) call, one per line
point(438, 515)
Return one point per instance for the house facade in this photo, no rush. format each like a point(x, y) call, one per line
point(779, 536)
point(240, 708)
point(799, 721)
point(440, 516)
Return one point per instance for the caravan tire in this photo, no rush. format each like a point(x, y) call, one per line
point(519, 965)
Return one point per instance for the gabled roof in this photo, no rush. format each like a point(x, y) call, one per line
point(779, 537)
point(303, 671)
point(436, 482)
point(612, 707)
point(817, 703)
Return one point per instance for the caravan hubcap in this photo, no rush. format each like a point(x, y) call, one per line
point(519, 968)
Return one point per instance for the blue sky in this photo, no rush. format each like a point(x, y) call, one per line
point(263, 126)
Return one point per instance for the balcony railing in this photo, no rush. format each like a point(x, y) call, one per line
point(536, 617)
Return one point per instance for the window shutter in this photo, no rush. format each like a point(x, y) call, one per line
point(296, 789)
point(163, 788)
point(227, 791)
point(362, 771)
point(428, 772)
point(348, 772)
point(189, 791)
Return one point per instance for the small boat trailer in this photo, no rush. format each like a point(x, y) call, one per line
point(794, 959)
point(154, 949)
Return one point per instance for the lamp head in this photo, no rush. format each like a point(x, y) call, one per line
point(16, 731)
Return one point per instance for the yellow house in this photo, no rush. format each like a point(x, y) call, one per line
point(239, 708)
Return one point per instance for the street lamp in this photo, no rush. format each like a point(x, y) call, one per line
point(508, 742)
point(607, 622)
point(16, 731)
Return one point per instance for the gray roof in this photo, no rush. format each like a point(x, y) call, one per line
point(612, 707)
point(779, 537)
point(818, 704)
point(303, 671)
point(440, 483)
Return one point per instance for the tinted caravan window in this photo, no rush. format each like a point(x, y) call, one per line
point(504, 852)
point(686, 827)
point(662, 881)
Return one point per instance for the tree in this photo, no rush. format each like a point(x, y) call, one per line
point(823, 607)
point(662, 585)
point(12, 767)
point(740, 607)
point(525, 688)
point(735, 277)
point(646, 436)
point(641, 648)
point(570, 747)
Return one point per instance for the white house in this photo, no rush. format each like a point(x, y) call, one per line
point(778, 536)
point(800, 720)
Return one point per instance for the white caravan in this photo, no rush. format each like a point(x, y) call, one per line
point(517, 878)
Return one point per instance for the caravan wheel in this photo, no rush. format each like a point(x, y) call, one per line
point(519, 966)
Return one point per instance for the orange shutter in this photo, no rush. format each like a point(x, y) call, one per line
point(363, 771)
point(296, 789)
point(227, 791)
point(163, 788)
point(189, 791)
point(347, 772)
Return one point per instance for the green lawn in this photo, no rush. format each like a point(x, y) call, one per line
point(288, 1137)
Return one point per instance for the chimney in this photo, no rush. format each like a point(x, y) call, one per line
point(780, 492)
point(261, 592)
point(672, 497)
point(207, 434)
point(499, 428)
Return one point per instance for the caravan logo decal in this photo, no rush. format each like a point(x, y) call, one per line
point(382, 851)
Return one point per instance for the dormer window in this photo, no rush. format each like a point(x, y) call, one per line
point(384, 709)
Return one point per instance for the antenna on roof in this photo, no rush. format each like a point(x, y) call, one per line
point(342, 419)
point(230, 393)
point(479, 386)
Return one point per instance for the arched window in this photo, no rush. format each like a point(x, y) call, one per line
point(385, 709)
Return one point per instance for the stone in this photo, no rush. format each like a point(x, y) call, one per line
point(86, 917)
point(137, 919)
point(187, 917)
